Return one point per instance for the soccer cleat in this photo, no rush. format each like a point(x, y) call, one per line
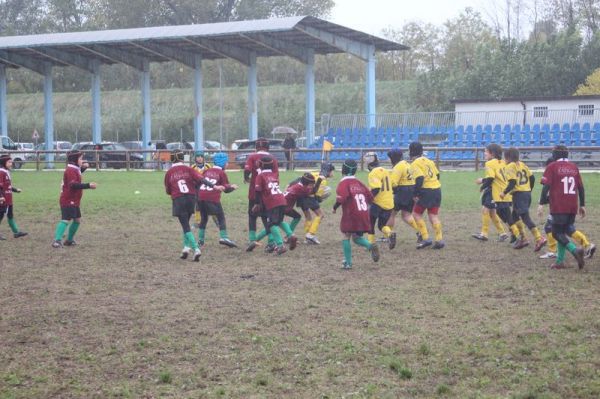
point(548, 255)
point(479, 236)
point(520, 243)
point(558, 266)
point(590, 250)
point(280, 250)
point(424, 244)
point(539, 244)
point(292, 242)
point(346, 265)
point(251, 246)
point(197, 254)
point(270, 248)
point(579, 254)
point(438, 245)
point(185, 253)
point(227, 242)
point(57, 244)
point(392, 241)
point(513, 239)
point(419, 238)
point(69, 243)
point(374, 249)
point(2, 238)
point(503, 237)
point(20, 234)
point(312, 239)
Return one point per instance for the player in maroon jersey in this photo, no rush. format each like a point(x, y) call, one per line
point(6, 193)
point(270, 203)
point(181, 182)
point(209, 199)
point(562, 182)
point(354, 198)
point(71, 192)
point(251, 171)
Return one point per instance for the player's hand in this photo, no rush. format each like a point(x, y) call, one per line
point(93, 186)
point(502, 195)
point(2, 200)
point(18, 190)
point(219, 188)
point(234, 186)
point(478, 180)
point(582, 211)
point(540, 211)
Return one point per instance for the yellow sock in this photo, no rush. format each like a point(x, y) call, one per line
point(387, 231)
point(551, 243)
point(411, 222)
point(307, 224)
point(498, 224)
point(314, 226)
point(423, 229)
point(197, 217)
point(514, 229)
point(371, 238)
point(521, 226)
point(485, 223)
point(536, 233)
point(437, 228)
point(581, 238)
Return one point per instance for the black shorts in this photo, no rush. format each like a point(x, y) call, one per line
point(563, 219)
point(378, 213)
point(70, 212)
point(521, 202)
point(184, 205)
point(275, 215)
point(503, 205)
point(486, 199)
point(430, 198)
point(307, 203)
point(7, 210)
point(404, 198)
point(211, 208)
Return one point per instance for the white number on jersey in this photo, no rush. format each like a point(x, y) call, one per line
point(568, 184)
point(183, 188)
point(361, 202)
point(274, 187)
point(207, 188)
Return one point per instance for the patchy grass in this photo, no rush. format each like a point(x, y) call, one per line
point(120, 316)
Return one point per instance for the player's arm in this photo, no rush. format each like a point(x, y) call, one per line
point(486, 183)
point(512, 183)
point(531, 181)
point(317, 185)
point(340, 198)
point(2, 200)
point(258, 206)
point(544, 198)
point(167, 185)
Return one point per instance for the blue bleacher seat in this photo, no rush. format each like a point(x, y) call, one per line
point(566, 127)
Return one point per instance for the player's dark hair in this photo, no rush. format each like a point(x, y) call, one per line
point(375, 162)
point(327, 168)
point(266, 162)
point(349, 167)
point(560, 151)
point(3, 160)
point(395, 155)
point(549, 161)
point(495, 150)
point(415, 149)
point(177, 156)
point(307, 179)
point(73, 156)
point(511, 154)
point(261, 144)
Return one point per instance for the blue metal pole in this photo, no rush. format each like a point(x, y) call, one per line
point(96, 104)
point(146, 117)
point(3, 106)
point(309, 82)
point(252, 99)
point(198, 117)
point(48, 115)
point(370, 87)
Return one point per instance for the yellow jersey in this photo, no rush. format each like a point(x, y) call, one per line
point(402, 174)
point(321, 189)
point(206, 167)
point(380, 178)
point(496, 169)
point(429, 171)
point(521, 173)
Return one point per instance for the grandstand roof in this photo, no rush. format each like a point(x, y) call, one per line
point(264, 38)
point(514, 99)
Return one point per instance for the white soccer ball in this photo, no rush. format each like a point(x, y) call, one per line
point(136, 192)
point(326, 192)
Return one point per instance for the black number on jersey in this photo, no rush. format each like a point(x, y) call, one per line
point(386, 184)
point(522, 176)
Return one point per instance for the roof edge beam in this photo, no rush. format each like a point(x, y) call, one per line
point(183, 57)
point(224, 50)
point(118, 56)
point(21, 61)
point(280, 46)
point(356, 48)
point(75, 60)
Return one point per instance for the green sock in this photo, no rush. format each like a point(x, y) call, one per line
point(13, 225)
point(252, 235)
point(223, 233)
point(270, 240)
point(191, 240)
point(262, 234)
point(276, 233)
point(72, 230)
point(560, 253)
point(571, 247)
point(362, 241)
point(185, 241)
point(201, 233)
point(294, 223)
point(60, 230)
point(347, 251)
point(286, 228)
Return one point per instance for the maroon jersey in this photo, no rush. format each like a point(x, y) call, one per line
point(355, 198)
point(295, 191)
point(252, 167)
point(216, 176)
point(565, 181)
point(267, 186)
point(180, 180)
point(6, 187)
point(69, 195)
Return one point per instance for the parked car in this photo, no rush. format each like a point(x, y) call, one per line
point(9, 145)
point(77, 146)
point(275, 149)
point(58, 146)
point(25, 146)
point(114, 157)
point(188, 145)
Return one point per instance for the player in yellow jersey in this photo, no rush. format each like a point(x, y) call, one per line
point(403, 185)
point(383, 199)
point(428, 196)
point(520, 184)
point(312, 203)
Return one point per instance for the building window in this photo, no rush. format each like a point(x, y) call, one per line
point(540, 112)
point(586, 110)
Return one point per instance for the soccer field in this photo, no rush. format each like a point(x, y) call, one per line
point(120, 315)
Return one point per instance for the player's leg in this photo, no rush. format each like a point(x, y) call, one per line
point(505, 215)
point(219, 215)
point(408, 218)
point(73, 227)
point(584, 242)
point(316, 221)
point(252, 217)
point(202, 209)
point(384, 216)
point(434, 219)
point(551, 253)
point(13, 224)
point(67, 214)
point(275, 217)
point(485, 225)
point(373, 248)
point(296, 217)
point(424, 234)
point(312, 204)
point(347, 248)
point(373, 216)
point(560, 226)
point(540, 241)
point(2, 213)
point(392, 219)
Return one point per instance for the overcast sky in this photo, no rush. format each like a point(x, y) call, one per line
point(371, 16)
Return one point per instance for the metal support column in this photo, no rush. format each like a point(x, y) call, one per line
point(309, 82)
point(146, 116)
point(370, 88)
point(48, 115)
point(252, 99)
point(198, 117)
point(96, 108)
point(3, 106)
